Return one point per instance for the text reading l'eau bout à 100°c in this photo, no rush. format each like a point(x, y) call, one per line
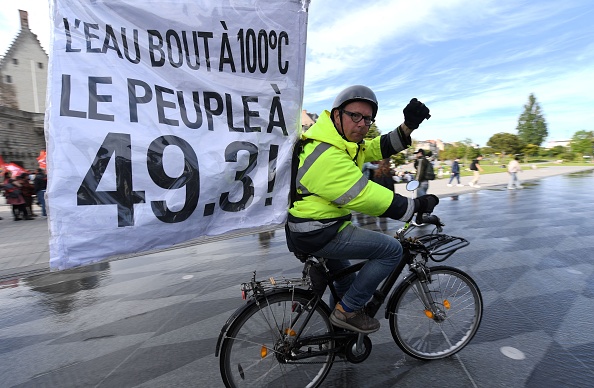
point(118, 146)
point(250, 52)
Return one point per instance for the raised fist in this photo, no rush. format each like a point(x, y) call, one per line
point(414, 113)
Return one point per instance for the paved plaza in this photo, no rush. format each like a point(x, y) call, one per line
point(153, 320)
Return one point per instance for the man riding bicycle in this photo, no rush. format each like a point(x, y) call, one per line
point(328, 184)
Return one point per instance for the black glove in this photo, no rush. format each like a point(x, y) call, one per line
point(414, 113)
point(426, 203)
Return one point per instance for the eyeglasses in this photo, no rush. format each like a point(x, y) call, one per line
point(356, 117)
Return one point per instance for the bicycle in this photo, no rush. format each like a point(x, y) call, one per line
point(283, 335)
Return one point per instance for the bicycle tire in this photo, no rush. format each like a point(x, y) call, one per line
point(425, 338)
point(252, 350)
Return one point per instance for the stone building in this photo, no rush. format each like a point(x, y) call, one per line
point(23, 84)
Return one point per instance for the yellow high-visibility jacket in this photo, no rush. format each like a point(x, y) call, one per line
point(330, 183)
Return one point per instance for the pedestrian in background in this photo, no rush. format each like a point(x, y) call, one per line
point(476, 169)
point(40, 185)
point(513, 168)
point(368, 169)
point(383, 176)
point(28, 192)
point(14, 197)
point(455, 173)
point(421, 166)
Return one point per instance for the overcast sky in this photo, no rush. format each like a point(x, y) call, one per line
point(474, 63)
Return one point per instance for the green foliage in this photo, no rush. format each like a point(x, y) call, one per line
point(462, 150)
point(472, 153)
point(373, 132)
point(449, 152)
point(487, 150)
point(532, 127)
point(567, 156)
point(506, 143)
point(556, 151)
point(543, 152)
point(582, 142)
point(531, 150)
point(399, 159)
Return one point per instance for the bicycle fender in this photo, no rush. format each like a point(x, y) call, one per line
point(391, 305)
point(230, 320)
point(245, 307)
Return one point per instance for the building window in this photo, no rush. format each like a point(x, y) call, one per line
point(15, 61)
point(40, 65)
point(8, 79)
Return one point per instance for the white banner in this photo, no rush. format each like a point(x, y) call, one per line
point(169, 121)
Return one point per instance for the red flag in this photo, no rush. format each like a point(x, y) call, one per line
point(15, 169)
point(41, 159)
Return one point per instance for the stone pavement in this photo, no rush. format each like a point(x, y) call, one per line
point(153, 320)
point(24, 246)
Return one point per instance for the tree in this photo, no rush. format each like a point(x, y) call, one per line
point(487, 150)
point(399, 159)
point(531, 150)
point(506, 143)
point(582, 142)
point(373, 132)
point(532, 127)
point(556, 151)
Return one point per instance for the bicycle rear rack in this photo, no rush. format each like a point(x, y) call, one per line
point(260, 287)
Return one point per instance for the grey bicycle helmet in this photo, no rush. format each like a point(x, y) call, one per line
point(356, 93)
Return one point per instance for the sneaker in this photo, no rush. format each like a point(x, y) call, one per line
point(477, 186)
point(460, 185)
point(471, 184)
point(356, 321)
point(511, 188)
point(449, 185)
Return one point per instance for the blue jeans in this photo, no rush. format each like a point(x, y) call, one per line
point(382, 251)
point(41, 199)
point(423, 187)
point(513, 180)
point(454, 175)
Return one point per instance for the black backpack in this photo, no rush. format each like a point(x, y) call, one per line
point(429, 172)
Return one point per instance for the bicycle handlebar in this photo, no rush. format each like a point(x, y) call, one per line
point(430, 219)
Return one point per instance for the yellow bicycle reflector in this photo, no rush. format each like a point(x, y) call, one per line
point(446, 304)
point(290, 332)
point(429, 314)
point(263, 351)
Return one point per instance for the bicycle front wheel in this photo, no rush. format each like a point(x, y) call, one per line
point(262, 347)
point(428, 336)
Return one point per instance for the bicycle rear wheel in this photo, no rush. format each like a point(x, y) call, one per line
point(424, 336)
point(259, 348)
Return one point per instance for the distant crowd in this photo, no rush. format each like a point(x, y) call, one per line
point(22, 191)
